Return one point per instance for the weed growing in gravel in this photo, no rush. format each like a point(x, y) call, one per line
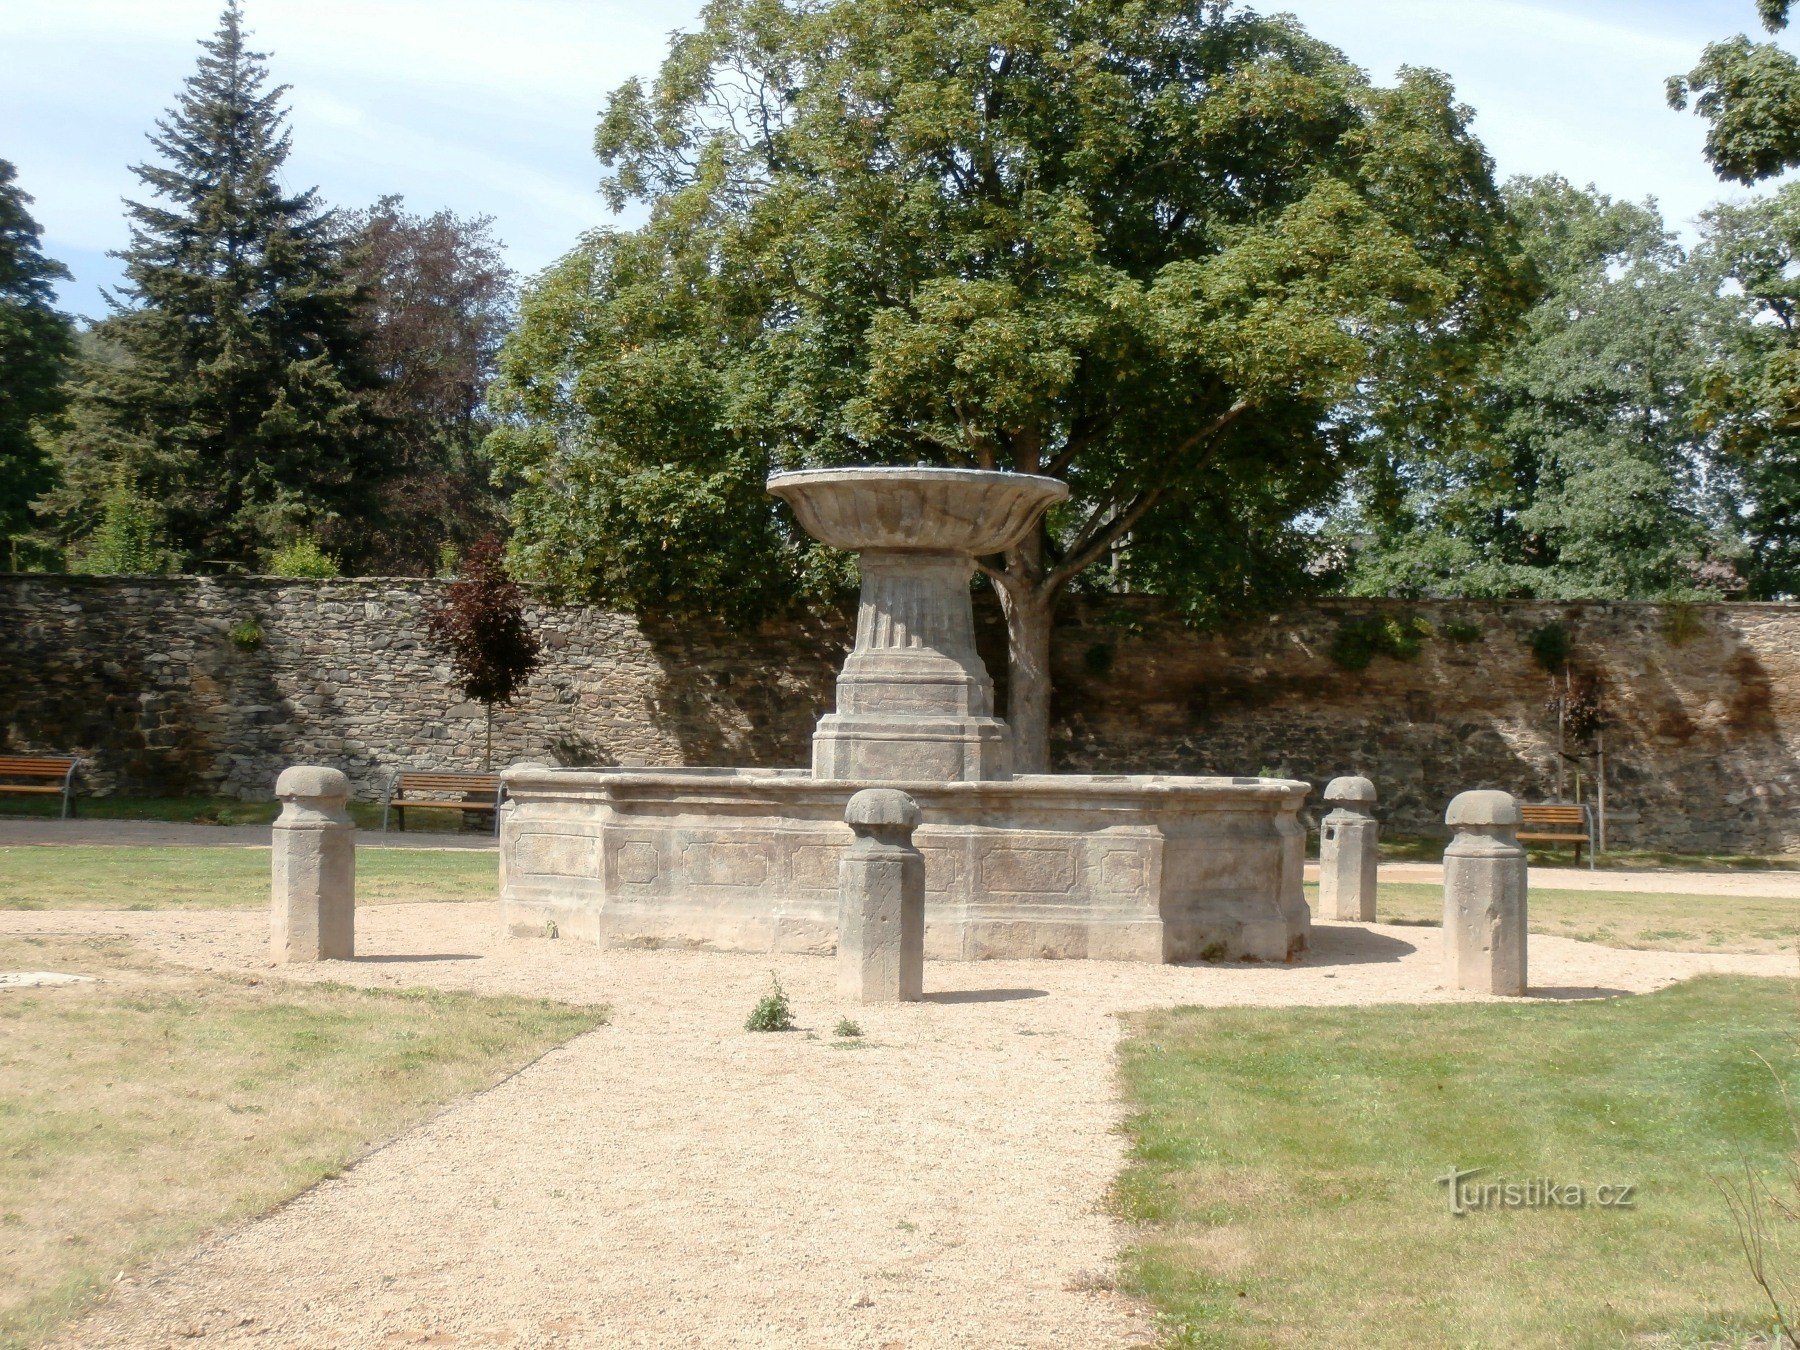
point(846, 1029)
point(772, 1012)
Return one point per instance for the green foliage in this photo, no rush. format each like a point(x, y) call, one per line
point(1749, 94)
point(1580, 467)
point(1681, 624)
point(235, 386)
point(1165, 251)
point(1463, 630)
point(1359, 640)
point(303, 557)
point(771, 1012)
point(1749, 405)
point(126, 542)
point(847, 1030)
point(437, 298)
point(246, 635)
point(36, 343)
point(1550, 646)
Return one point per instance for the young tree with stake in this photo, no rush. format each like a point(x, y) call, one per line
point(480, 627)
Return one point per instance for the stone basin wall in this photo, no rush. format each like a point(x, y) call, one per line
point(141, 677)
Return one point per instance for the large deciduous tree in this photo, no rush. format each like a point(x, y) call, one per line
point(1749, 94)
point(1175, 252)
point(237, 393)
point(437, 301)
point(1751, 398)
point(1581, 467)
point(36, 342)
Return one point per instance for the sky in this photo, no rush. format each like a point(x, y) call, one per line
point(488, 106)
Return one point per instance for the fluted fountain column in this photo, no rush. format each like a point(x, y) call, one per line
point(914, 702)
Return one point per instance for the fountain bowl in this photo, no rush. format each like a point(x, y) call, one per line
point(972, 511)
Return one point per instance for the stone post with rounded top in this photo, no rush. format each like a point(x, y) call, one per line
point(881, 901)
point(1347, 863)
point(313, 868)
point(1484, 895)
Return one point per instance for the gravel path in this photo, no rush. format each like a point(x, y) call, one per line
point(672, 1180)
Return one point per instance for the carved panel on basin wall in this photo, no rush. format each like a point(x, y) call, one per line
point(1123, 873)
point(556, 855)
point(729, 862)
point(816, 867)
point(943, 868)
point(1015, 869)
point(639, 862)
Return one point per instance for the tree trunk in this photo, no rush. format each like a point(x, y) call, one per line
point(487, 755)
point(1028, 622)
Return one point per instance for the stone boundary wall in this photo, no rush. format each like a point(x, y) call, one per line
point(142, 678)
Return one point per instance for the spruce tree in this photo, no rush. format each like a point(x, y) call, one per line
point(35, 345)
point(242, 404)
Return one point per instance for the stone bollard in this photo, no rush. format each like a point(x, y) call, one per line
point(881, 901)
point(1484, 895)
point(1347, 838)
point(313, 868)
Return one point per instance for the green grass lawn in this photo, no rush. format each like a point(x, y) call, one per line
point(1399, 847)
point(217, 811)
point(1284, 1167)
point(141, 1110)
point(78, 876)
point(1719, 923)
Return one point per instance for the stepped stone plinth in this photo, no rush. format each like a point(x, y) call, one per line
point(914, 702)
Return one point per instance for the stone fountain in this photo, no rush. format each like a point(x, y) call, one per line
point(1125, 867)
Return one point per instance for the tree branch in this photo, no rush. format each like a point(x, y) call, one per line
point(1085, 550)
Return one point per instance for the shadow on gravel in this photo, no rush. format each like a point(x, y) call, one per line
point(387, 960)
point(1348, 945)
point(1574, 992)
point(984, 995)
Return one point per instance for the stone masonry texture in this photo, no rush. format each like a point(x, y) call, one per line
point(141, 678)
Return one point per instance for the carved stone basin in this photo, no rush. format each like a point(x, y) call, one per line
point(1125, 867)
point(971, 511)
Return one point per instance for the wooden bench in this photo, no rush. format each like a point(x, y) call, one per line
point(441, 792)
point(1558, 823)
point(46, 775)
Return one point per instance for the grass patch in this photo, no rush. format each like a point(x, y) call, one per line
point(78, 876)
point(140, 1111)
point(772, 1012)
point(1284, 1163)
point(214, 811)
point(1640, 919)
point(1430, 848)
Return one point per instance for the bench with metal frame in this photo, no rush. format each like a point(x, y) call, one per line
point(420, 790)
point(48, 775)
point(1558, 823)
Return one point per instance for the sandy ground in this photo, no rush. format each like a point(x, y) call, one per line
point(672, 1180)
point(174, 834)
